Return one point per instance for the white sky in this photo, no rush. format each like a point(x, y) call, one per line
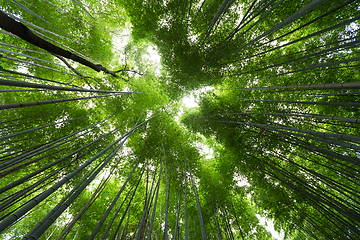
point(268, 224)
point(189, 101)
point(122, 39)
point(154, 57)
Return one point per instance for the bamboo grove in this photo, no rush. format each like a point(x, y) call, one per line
point(93, 145)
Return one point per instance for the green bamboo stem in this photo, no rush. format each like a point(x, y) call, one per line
point(309, 7)
point(66, 12)
point(142, 226)
point(344, 23)
point(156, 200)
point(127, 208)
point(203, 232)
point(117, 211)
point(37, 128)
point(106, 214)
point(36, 85)
point(48, 220)
point(16, 3)
point(176, 234)
point(38, 78)
point(30, 104)
point(344, 104)
point(94, 196)
point(50, 145)
point(185, 202)
point(319, 86)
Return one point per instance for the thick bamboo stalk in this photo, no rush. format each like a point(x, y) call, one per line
point(309, 7)
point(15, 198)
point(167, 196)
point(177, 216)
point(345, 45)
point(44, 86)
point(215, 220)
point(11, 170)
point(321, 86)
point(38, 78)
point(62, 206)
point(10, 220)
point(55, 213)
point(25, 178)
point(95, 195)
point(102, 220)
point(66, 12)
point(117, 211)
point(154, 209)
point(344, 23)
point(185, 203)
point(142, 226)
point(32, 13)
point(37, 128)
point(49, 146)
point(29, 104)
point(237, 222)
point(28, 56)
point(344, 104)
point(127, 208)
point(203, 232)
point(250, 27)
point(26, 34)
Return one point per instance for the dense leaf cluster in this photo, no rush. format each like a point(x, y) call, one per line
point(88, 154)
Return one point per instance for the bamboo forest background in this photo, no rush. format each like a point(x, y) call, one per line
point(97, 144)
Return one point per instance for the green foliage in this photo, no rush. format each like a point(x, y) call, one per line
point(279, 143)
